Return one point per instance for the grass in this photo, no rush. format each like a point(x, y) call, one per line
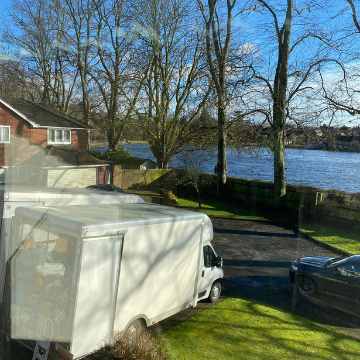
point(341, 239)
point(338, 238)
point(100, 143)
point(242, 329)
point(219, 209)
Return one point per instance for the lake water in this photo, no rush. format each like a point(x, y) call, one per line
point(323, 169)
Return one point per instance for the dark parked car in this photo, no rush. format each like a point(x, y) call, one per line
point(338, 277)
point(106, 187)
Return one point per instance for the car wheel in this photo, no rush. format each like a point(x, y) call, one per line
point(306, 285)
point(136, 327)
point(215, 291)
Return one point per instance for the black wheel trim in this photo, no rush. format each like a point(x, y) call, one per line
point(306, 286)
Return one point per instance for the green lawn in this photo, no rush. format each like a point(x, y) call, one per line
point(219, 209)
point(241, 329)
point(341, 239)
point(348, 241)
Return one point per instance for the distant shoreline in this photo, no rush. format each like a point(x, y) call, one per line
point(322, 148)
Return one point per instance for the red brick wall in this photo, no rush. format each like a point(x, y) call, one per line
point(19, 148)
point(16, 151)
point(101, 174)
point(79, 139)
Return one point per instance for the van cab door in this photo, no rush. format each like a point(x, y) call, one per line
point(209, 272)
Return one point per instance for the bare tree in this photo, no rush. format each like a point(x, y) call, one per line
point(341, 91)
point(192, 172)
point(218, 34)
point(284, 101)
point(13, 80)
point(117, 81)
point(81, 39)
point(39, 29)
point(176, 86)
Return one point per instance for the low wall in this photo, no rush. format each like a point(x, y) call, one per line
point(304, 201)
point(126, 178)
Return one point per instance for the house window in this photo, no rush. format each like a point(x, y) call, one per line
point(11, 174)
point(59, 136)
point(4, 134)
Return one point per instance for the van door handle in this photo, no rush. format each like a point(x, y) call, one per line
point(203, 273)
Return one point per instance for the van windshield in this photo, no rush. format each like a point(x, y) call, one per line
point(39, 281)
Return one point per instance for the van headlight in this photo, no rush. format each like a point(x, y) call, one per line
point(294, 267)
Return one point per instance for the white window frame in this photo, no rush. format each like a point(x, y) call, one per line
point(1, 134)
point(56, 141)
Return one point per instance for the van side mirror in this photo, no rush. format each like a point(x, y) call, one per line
point(219, 261)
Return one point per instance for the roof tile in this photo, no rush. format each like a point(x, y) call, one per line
point(45, 116)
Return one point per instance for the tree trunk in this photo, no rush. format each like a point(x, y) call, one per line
point(222, 164)
point(279, 108)
point(112, 141)
point(199, 197)
point(162, 163)
point(279, 169)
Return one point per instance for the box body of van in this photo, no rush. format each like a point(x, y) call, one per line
point(82, 273)
point(13, 197)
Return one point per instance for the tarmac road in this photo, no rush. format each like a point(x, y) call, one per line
point(261, 251)
point(257, 257)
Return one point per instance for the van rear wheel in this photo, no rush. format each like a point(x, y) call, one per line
point(215, 291)
point(136, 327)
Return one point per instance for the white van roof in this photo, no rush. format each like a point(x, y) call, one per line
point(35, 193)
point(109, 217)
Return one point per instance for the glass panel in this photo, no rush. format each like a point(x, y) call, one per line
point(67, 136)
point(6, 134)
point(41, 274)
point(12, 174)
point(22, 173)
point(52, 136)
point(209, 257)
point(350, 270)
point(2, 175)
point(59, 136)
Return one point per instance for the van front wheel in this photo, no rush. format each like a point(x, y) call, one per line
point(215, 291)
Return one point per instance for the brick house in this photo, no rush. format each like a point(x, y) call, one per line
point(27, 127)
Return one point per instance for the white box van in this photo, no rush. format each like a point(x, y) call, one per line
point(16, 196)
point(83, 272)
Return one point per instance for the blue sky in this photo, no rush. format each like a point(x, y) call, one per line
point(3, 5)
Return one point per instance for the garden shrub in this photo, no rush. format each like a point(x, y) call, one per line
point(138, 186)
point(116, 155)
point(170, 199)
point(141, 345)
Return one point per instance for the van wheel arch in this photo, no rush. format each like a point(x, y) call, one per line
point(136, 325)
point(215, 291)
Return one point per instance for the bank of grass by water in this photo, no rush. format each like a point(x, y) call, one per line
point(242, 329)
point(219, 209)
point(345, 240)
